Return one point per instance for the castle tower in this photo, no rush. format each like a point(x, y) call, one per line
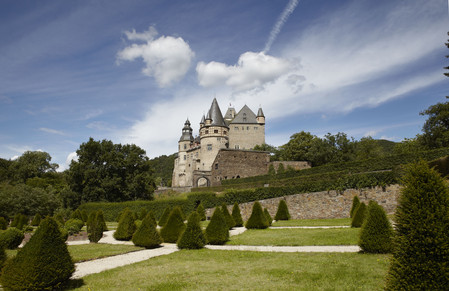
point(182, 176)
point(213, 135)
point(260, 117)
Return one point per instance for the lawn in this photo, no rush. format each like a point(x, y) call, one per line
point(237, 270)
point(87, 252)
point(314, 222)
point(297, 237)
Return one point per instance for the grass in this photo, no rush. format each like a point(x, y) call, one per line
point(204, 223)
point(111, 225)
point(297, 237)
point(314, 222)
point(237, 270)
point(88, 252)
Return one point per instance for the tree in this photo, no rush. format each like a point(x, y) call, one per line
point(257, 220)
point(355, 204)
point(421, 250)
point(237, 215)
point(282, 212)
point(274, 151)
point(3, 256)
point(408, 146)
point(268, 216)
point(201, 212)
point(95, 229)
point(164, 217)
point(147, 235)
point(217, 232)
point(171, 231)
point(376, 232)
point(229, 220)
point(368, 148)
point(44, 263)
point(298, 147)
point(193, 237)
point(359, 215)
point(111, 172)
point(32, 164)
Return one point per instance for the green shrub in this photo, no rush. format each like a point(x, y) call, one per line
point(3, 223)
point(421, 250)
point(376, 232)
point(101, 219)
point(142, 213)
point(201, 212)
point(171, 231)
point(3, 256)
point(217, 231)
point(281, 169)
point(84, 215)
point(257, 220)
point(44, 263)
point(11, 238)
point(271, 170)
point(164, 218)
point(355, 204)
point(268, 216)
point(36, 220)
point(147, 235)
point(64, 233)
point(192, 237)
point(95, 232)
point(359, 215)
point(282, 212)
point(59, 219)
point(229, 220)
point(90, 221)
point(23, 222)
point(15, 220)
point(73, 225)
point(150, 215)
point(237, 215)
point(126, 227)
point(77, 215)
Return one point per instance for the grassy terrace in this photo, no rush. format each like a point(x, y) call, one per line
point(237, 270)
point(313, 222)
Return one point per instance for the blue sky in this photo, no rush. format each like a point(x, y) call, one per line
point(133, 71)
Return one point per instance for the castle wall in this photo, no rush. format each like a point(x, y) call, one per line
point(246, 136)
point(210, 146)
point(233, 164)
point(322, 205)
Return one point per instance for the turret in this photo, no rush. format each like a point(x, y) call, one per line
point(186, 137)
point(260, 116)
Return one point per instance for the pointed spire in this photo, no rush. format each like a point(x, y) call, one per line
point(216, 115)
point(203, 120)
point(260, 113)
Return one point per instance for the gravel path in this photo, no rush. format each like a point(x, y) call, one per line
point(310, 227)
point(303, 249)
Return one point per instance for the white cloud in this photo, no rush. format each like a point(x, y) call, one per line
point(52, 131)
point(100, 125)
point(252, 70)
point(166, 58)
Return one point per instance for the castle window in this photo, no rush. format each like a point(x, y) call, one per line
point(216, 166)
point(243, 128)
point(237, 147)
point(256, 128)
point(224, 132)
point(247, 128)
point(185, 146)
point(209, 147)
point(219, 138)
point(215, 130)
point(207, 132)
point(185, 157)
point(236, 127)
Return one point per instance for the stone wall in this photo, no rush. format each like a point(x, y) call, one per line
point(234, 164)
point(321, 205)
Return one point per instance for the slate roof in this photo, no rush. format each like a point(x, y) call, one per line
point(245, 115)
point(215, 114)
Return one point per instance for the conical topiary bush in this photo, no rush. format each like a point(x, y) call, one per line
point(376, 232)
point(44, 263)
point(126, 227)
point(163, 220)
point(355, 204)
point(59, 219)
point(268, 216)
point(84, 215)
point(36, 220)
point(101, 218)
point(95, 229)
point(142, 213)
point(229, 220)
point(147, 235)
point(420, 258)
point(193, 237)
point(89, 221)
point(171, 231)
point(150, 215)
point(257, 220)
point(237, 215)
point(3, 223)
point(217, 231)
point(15, 220)
point(282, 213)
point(201, 212)
point(359, 215)
point(2, 256)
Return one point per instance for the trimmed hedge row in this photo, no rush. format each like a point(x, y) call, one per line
point(375, 164)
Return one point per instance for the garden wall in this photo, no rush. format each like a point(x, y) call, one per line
point(325, 204)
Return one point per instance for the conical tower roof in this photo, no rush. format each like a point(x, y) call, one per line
point(260, 112)
point(216, 115)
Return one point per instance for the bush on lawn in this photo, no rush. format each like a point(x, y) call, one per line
point(95, 232)
point(217, 231)
point(193, 237)
point(164, 218)
point(90, 220)
point(229, 220)
point(126, 227)
point(355, 204)
point(2, 256)
point(237, 215)
point(84, 215)
point(282, 213)
point(257, 220)
point(421, 249)
point(201, 212)
point(171, 231)
point(147, 235)
point(73, 225)
point(150, 215)
point(268, 216)
point(44, 263)
point(376, 232)
point(359, 215)
point(3, 223)
point(36, 220)
point(77, 215)
point(101, 219)
point(142, 213)
point(11, 238)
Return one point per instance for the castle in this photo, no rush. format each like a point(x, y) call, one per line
point(223, 149)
